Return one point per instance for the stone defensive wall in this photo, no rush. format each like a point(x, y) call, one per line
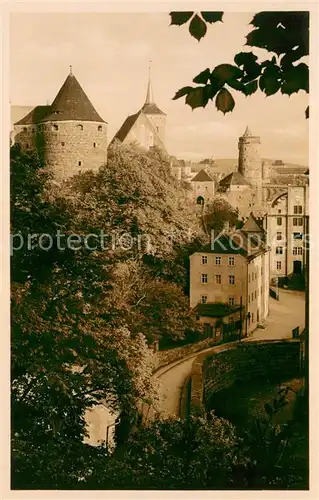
point(244, 361)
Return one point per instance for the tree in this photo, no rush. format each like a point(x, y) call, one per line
point(285, 38)
point(220, 212)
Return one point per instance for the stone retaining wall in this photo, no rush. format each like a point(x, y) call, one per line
point(242, 361)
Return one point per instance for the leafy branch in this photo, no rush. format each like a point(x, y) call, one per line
point(284, 35)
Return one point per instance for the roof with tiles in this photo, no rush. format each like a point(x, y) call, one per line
point(72, 103)
point(234, 179)
point(202, 176)
point(34, 116)
point(252, 226)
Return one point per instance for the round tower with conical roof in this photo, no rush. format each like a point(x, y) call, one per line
point(249, 162)
point(69, 135)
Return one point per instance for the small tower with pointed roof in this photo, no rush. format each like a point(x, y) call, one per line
point(152, 111)
point(69, 134)
point(249, 162)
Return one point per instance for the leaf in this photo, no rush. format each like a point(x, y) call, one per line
point(245, 59)
point(183, 91)
point(224, 101)
point(179, 18)
point(270, 81)
point(307, 113)
point(197, 98)
point(235, 84)
point(197, 28)
point(202, 77)
point(295, 78)
point(251, 87)
point(226, 72)
point(212, 17)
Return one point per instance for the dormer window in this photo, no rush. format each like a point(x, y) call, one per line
point(80, 127)
point(100, 128)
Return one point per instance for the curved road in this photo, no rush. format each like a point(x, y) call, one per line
point(284, 315)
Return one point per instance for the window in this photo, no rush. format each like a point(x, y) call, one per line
point(248, 299)
point(80, 127)
point(255, 294)
point(297, 209)
point(279, 236)
point(157, 129)
point(279, 211)
point(295, 221)
point(94, 144)
point(80, 163)
point(203, 299)
point(231, 261)
point(204, 278)
point(248, 278)
point(62, 143)
point(297, 251)
point(100, 128)
point(261, 290)
point(279, 221)
point(27, 146)
point(297, 236)
point(231, 279)
point(218, 261)
point(279, 250)
point(55, 126)
point(300, 221)
point(252, 317)
point(200, 200)
point(278, 265)
point(231, 301)
point(25, 129)
point(252, 297)
point(204, 259)
point(218, 279)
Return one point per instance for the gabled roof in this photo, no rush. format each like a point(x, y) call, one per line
point(34, 116)
point(126, 127)
point(234, 179)
point(202, 176)
point(151, 109)
point(216, 310)
point(251, 225)
point(72, 103)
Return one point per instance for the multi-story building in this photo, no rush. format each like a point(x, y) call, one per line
point(233, 271)
point(286, 224)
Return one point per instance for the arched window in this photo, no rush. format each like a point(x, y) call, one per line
point(100, 128)
point(200, 200)
point(80, 127)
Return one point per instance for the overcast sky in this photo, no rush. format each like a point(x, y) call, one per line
point(109, 54)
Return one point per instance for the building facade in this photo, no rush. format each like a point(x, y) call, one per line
point(233, 271)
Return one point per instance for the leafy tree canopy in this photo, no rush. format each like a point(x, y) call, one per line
point(283, 35)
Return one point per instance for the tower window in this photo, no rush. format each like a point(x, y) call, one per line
point(80, 163)
point(100, 128)
point(94, 144)
point(80, 127)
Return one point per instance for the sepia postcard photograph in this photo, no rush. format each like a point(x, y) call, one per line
point(160, 262)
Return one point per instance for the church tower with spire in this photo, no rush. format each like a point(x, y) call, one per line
point(153, 113)
point(69, 135)
point(249, 162)
point(146, 127)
